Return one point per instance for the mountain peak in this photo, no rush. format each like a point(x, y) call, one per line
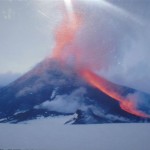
point(52, 88)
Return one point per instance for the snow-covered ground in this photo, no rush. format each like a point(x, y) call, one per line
point(52, 134)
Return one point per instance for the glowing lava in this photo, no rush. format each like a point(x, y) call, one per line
point(112, 91)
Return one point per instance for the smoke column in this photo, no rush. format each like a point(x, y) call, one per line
point(65, 47)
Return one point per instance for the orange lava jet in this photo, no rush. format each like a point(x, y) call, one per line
point(112, 90)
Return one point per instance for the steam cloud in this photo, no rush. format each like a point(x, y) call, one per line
point(65, 103)
point(112, 39)
point(116, 45)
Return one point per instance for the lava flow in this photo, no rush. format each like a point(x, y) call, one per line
point(109, 89)
point(65, 36)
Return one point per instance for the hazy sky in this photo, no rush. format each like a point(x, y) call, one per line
point(26, 30)
point(27, 36)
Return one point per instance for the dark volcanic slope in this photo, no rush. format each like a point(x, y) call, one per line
point(52, 89)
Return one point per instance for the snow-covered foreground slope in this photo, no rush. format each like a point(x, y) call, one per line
point(52, 134)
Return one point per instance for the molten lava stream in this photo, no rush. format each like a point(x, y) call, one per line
point(107, 87)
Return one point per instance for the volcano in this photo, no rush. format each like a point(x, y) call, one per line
point(52, 89)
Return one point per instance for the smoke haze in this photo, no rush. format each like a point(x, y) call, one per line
point(104, 42)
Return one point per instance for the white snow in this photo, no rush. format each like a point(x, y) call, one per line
point(52, 134)
point(54, 93)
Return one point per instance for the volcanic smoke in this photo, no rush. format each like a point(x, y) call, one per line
point(65, 36)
